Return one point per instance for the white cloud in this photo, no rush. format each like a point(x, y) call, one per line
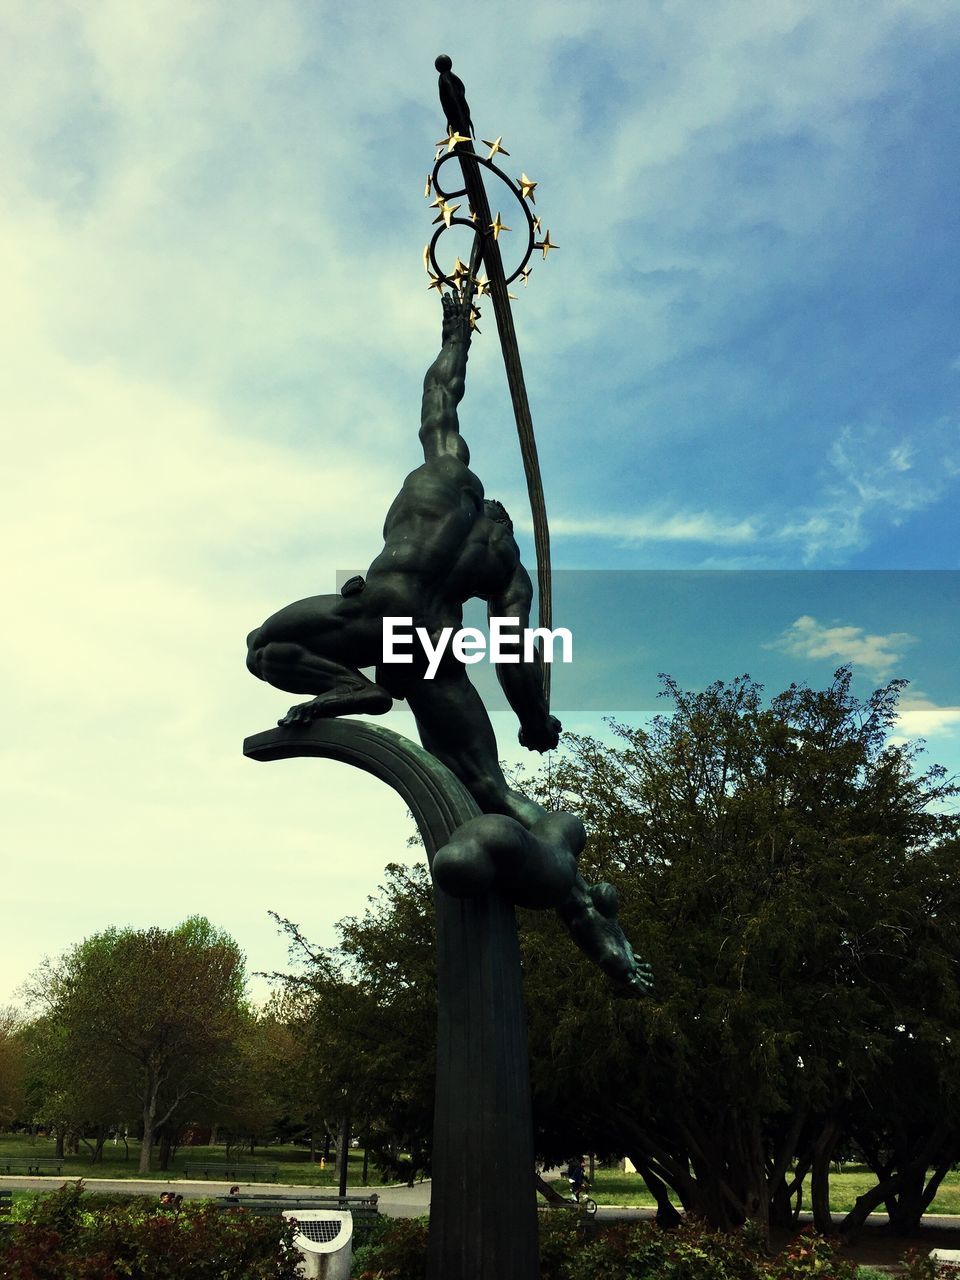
point(921, 717)
point(678, 526)
point(877, 654)
point(873, 480)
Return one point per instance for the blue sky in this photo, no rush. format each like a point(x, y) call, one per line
point(742, 363)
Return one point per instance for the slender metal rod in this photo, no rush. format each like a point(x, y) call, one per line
point(454, 104)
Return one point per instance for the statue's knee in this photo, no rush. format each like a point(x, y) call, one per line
point(253, 651)
point(275, 659)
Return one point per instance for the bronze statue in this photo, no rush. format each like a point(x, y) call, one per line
point(444, 543)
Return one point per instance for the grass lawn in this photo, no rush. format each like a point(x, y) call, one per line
point(610, 1186)
point(292, 1163)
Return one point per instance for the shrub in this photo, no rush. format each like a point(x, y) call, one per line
point(60, 1238)
point(399, 1254)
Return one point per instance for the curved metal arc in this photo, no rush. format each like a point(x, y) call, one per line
point(472, 226)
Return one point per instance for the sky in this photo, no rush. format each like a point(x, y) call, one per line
point(742, 363)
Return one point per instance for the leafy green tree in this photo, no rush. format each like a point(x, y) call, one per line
point(156, 1011)
point(778, 867)
point(72, 1087)
point(254, 1100)
point(12, 1066)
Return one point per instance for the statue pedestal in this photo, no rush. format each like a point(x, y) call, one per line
point(483, 1217)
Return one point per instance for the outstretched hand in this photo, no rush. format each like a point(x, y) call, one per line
point(456, 323)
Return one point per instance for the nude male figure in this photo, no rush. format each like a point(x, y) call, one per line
point(444, 543)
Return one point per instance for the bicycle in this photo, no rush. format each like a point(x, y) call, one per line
point(584, 1202)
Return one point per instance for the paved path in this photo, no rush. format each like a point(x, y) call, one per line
point(396, 1202)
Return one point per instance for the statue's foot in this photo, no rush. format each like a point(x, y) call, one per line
point(366, 699)
point(590, 914)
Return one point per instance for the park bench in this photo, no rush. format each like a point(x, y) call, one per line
point(265, 1205)
point(6, 1203)
point(31, 1165)
point(214, 1172)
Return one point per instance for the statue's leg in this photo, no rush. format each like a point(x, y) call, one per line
point(455, 728)
point(316, 646)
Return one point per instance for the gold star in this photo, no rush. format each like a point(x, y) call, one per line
point(483, 285)
point(445, 212)
point(527, 186)
point(536, 226)
point(473, 215)
point(426, 189)
point(525, 276)
point(497, 226)
point(460, 269)
point(474, 317)
point(437, 155)
point(546, 245)
point(436, 282)
point(495, 147)
point(451, 140)
point(426, 258)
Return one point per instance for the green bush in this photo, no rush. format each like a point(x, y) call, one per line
point(399, 1254)
point(61, 1237)
point(573, 1250)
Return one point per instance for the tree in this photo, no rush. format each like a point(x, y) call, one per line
point(11, 1066)
point(71, 1087)
point(779, 867)
point(156, 1011)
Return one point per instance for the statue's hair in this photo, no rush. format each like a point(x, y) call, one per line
point(496, 511)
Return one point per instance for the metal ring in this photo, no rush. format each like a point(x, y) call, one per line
point(467, 222)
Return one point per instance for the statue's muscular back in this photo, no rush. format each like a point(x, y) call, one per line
point(440, 547)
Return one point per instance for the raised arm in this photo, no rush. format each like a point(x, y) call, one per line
point(443, 387)
point(521, 681)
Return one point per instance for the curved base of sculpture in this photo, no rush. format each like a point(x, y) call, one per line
point(483, 1221)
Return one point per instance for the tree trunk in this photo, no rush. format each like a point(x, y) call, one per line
point(550, 1194)
point(889, 1189)
point(781, 1206)
point(343, 1153)
point(667, 1215)
point(820, 1178)
point(366, 1164)
point(673, 1171)
point(327, 1139)
point(166, 1146)
point(61, 1134)
point(756, 1187)
point(149, 1118)
point(781, 1192)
